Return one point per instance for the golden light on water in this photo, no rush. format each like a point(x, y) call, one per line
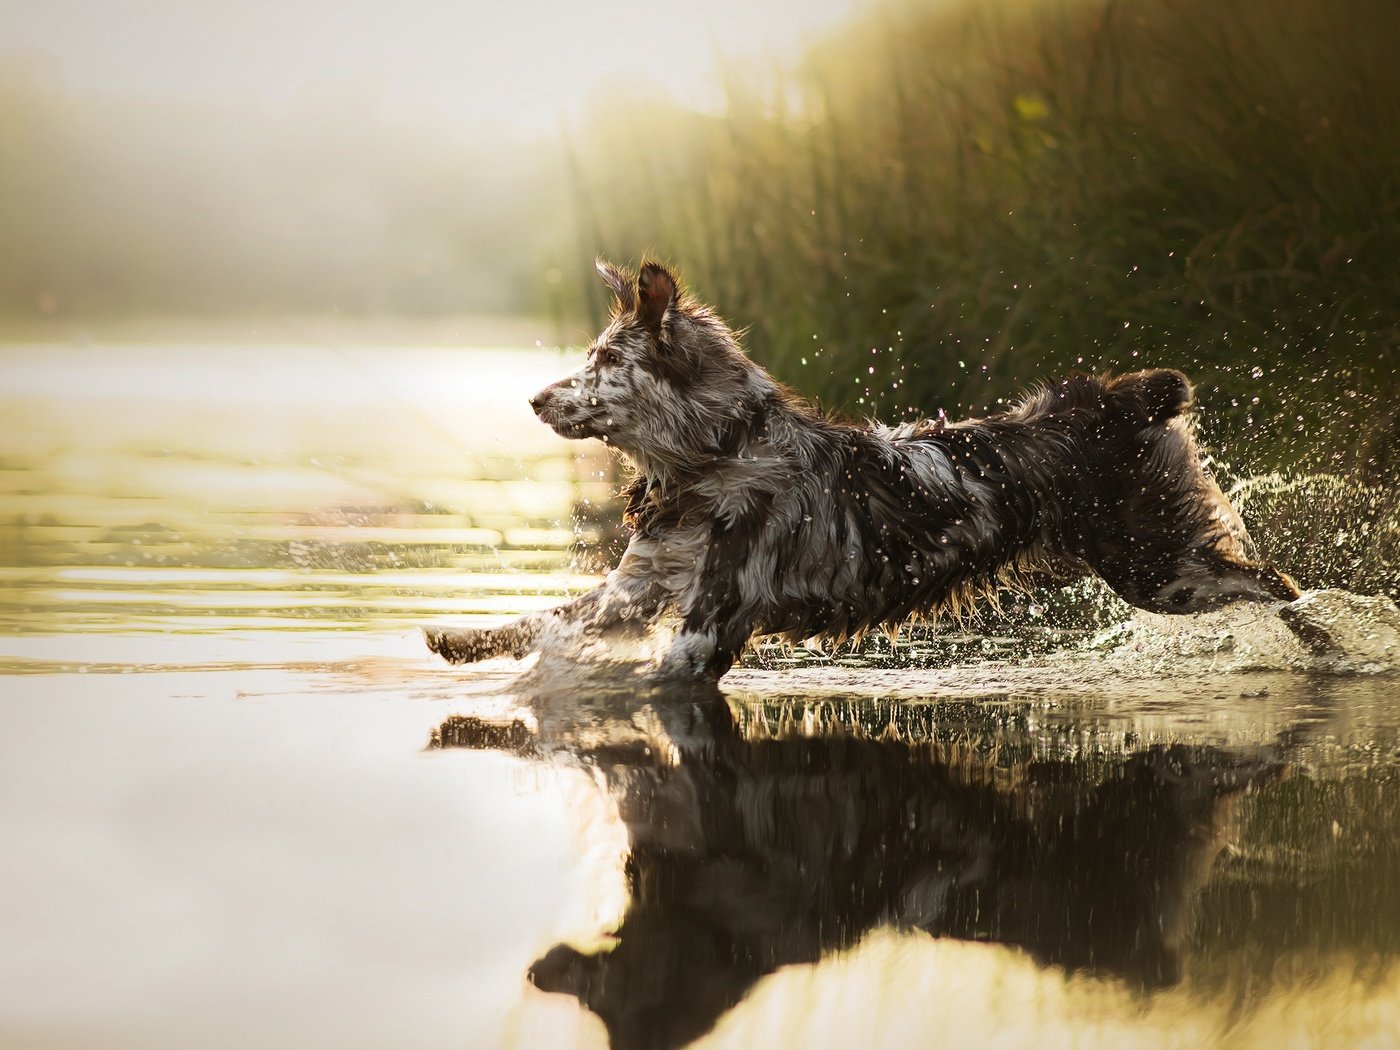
point(927, 992)
point(246, 454)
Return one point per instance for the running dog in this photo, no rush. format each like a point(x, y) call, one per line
point(752, 512)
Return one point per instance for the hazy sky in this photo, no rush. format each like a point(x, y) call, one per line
point(517, 63)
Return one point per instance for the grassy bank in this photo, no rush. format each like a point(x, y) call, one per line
point(948, 202)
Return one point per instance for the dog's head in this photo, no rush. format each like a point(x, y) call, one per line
point(665, 380)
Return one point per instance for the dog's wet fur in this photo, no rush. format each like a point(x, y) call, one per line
point(752, 512)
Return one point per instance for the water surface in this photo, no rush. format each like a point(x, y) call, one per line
point(243, 806)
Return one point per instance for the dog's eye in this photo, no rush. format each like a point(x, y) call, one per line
point(605, 356)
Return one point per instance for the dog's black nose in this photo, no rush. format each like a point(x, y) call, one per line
point(537, 401)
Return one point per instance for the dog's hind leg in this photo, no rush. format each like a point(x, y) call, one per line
point(1160, 531)
point(1215, 581)
point(1209, 580)
point(1192, 582)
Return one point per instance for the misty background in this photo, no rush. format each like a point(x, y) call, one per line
point(350, 159)
point(909, 204)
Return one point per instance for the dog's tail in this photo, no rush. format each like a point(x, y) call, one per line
point(1162, 393)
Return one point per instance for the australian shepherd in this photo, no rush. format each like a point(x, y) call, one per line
point(751, 512)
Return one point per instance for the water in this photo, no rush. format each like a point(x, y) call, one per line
point(243, 806)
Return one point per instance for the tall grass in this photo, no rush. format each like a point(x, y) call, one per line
point(946, 202)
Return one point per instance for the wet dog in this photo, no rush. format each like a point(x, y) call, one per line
point(754, 513)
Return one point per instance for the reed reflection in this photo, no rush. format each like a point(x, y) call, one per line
point(763, 837)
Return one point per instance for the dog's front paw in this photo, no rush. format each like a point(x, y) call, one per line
point(463, 646)
point(688, 659)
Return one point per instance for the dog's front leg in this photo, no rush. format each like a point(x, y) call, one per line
point(691, 656)
point(517, 639)
point(704, 652)
point(710, 638)
point(720, 609)
point(623, 597)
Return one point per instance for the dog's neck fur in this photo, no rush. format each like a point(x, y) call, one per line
point(746, 454)
point(711, 426)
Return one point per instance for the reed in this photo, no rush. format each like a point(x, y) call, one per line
point(944, 203)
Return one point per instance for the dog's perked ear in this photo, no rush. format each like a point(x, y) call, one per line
point(621, 283)
point(657, 288)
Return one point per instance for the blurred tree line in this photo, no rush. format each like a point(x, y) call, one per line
point(947, 201)
point(941, 203)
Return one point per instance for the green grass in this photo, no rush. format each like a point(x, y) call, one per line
point(942, 205)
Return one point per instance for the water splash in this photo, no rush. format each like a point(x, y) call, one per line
point(1325, 530)
point(1328, 631)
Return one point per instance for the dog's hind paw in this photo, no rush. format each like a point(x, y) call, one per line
point(1313, 632)
point(1350, 628)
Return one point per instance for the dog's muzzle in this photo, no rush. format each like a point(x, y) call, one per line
point(562, 416)
point(547, 405)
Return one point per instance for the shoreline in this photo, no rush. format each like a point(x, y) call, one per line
point(466, 330)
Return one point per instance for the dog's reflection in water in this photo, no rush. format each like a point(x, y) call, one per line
point(752, 846)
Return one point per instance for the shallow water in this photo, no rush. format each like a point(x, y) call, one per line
point(243, 806)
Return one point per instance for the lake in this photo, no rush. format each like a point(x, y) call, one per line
point(244, 806)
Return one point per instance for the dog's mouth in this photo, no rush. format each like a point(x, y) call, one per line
point(569, 424)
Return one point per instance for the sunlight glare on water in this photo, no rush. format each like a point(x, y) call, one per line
point(248, 808)
point(142, 487)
